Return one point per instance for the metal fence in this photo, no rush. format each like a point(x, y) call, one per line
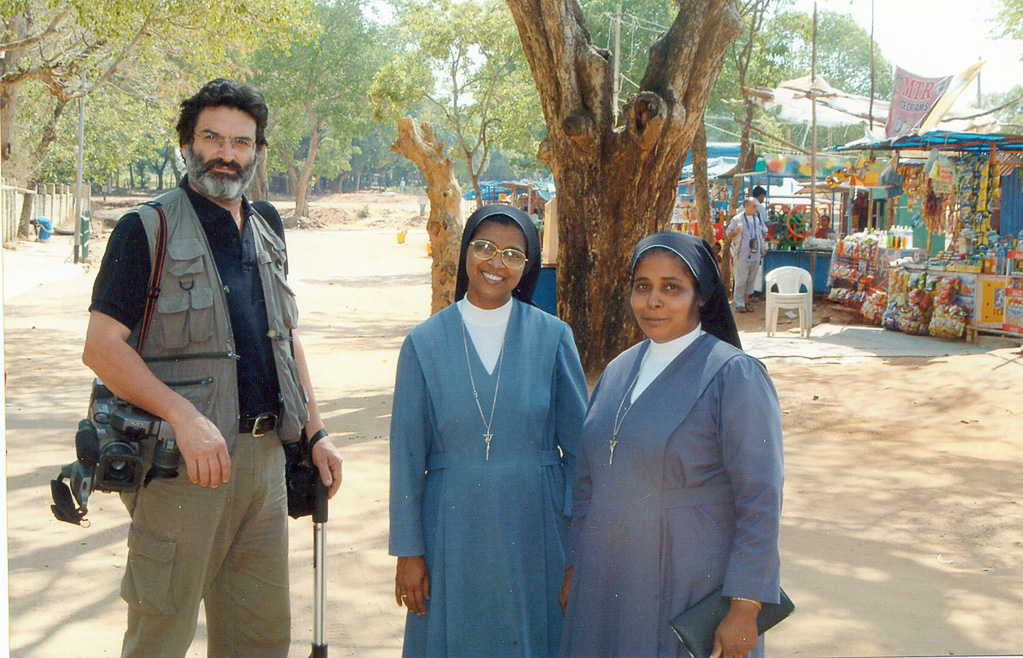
point(56, 202)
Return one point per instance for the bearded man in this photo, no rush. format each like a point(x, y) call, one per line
point(224, 367)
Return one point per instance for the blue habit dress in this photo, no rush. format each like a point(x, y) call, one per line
point(692, 501)
point(492, 531)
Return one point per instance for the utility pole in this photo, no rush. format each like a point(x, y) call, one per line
point(813, 126)
point(870, 111)
point(79, 202)
point(979, 106)
point(617, 84)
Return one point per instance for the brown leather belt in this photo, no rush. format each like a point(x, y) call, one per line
point(258, 425)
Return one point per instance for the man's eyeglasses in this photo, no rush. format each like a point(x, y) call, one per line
point(215, 140)
point(511, 257)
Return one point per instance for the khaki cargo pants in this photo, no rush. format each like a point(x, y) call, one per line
point(226, 546)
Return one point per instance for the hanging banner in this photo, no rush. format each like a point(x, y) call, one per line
point(913, 97)
point(959, 82)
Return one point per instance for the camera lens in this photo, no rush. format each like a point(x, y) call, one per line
point(120, 468)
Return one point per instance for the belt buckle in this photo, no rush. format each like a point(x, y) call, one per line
point(263, 423)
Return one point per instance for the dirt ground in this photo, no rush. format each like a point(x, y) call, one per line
point(902, 532)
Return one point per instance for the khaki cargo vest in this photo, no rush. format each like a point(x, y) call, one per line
point(190, 345)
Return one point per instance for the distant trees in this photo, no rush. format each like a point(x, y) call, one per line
point(59, 52)
point(315, 79)
point(463, 70)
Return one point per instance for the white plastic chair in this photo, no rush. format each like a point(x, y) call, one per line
point(789, 281)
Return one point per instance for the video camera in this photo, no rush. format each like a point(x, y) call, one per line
point(109, 446)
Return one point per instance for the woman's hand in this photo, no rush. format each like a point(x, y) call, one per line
point(412, 584)
point(736, 636)
point(563, 594)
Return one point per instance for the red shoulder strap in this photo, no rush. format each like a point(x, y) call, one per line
point(154, 278)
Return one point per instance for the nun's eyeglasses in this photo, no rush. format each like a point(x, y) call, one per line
point(511, 257)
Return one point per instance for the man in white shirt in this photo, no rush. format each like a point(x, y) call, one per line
point(749, 229)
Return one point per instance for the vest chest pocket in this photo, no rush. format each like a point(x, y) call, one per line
point(184, 315)
point(185, 305)
point(282, 290)
point(184, 257)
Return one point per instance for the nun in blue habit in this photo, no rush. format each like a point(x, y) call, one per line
point(488, 407)
point(678, 485)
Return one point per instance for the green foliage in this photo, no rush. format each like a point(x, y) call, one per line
point(1010, 19)
point(1011, 116)
point(314, 78)
point(462, 69)
point(782, 51)
point(153, 51)
point(843, 52)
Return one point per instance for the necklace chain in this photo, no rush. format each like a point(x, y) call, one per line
point(487, 436)
point(618, 421)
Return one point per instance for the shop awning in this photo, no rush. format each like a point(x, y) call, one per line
point(942, 140)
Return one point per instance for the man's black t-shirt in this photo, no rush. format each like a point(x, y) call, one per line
point(120, 289)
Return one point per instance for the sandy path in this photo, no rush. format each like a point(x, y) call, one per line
point(903, 525)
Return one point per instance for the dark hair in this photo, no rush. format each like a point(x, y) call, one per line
point(758, 191)
point(223, 93)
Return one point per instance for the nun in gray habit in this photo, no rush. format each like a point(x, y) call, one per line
point(678, 484)
point(488, 408)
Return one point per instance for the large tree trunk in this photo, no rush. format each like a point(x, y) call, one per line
point(701, 187)
point(615, 185)
point(17, 27)
point(445, 222)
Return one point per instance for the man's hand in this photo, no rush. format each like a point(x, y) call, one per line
point(116, 363)
point(327, 459)
point(203, 449)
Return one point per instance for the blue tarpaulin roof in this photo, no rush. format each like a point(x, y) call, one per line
point(942, 140)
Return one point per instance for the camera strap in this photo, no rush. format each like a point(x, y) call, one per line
point(153, 291)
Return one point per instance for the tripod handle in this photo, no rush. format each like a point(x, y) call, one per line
point(320, 505)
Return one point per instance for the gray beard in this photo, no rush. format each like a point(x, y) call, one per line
point(216, 185)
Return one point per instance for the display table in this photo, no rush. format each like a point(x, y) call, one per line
point(815, 261)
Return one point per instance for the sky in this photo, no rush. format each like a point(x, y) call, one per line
point(937, 37)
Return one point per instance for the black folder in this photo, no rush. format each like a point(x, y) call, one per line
point(697, 625)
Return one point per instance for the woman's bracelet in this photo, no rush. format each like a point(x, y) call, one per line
point(756, 603)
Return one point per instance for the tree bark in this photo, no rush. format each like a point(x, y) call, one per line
point(17, 27)
point(701, 187)
point(24, 221)
point(615, 184)
point(445, 222)
point(305, 174)
point(259, 190)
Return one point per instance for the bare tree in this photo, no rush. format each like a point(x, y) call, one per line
point(445, 222)
point(615, 183)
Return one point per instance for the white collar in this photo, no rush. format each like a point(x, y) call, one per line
point(666, 352)
point(484, 317)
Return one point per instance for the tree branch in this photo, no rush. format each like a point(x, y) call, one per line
point(32, 40)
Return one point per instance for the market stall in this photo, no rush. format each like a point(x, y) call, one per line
point(944, 264)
